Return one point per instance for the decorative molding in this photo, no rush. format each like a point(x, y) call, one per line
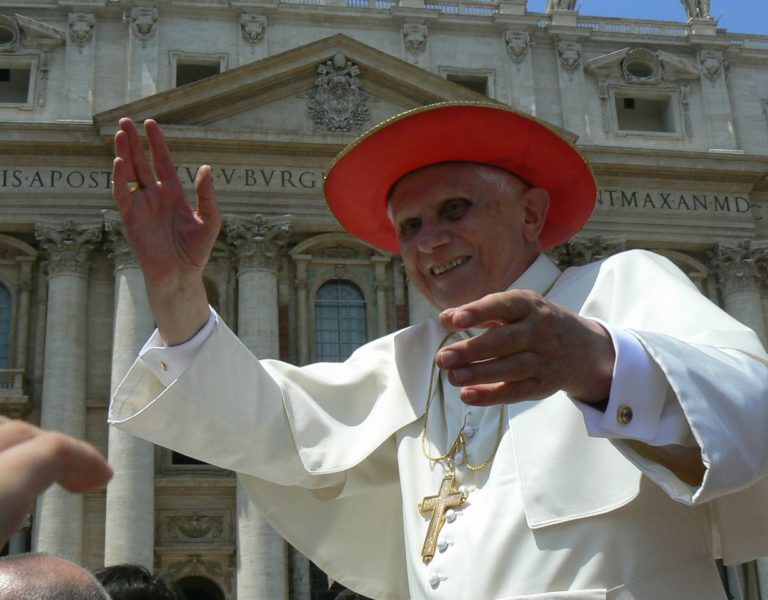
point(517, 43)
point(581, 251)
point(570, 55)
point(415, 37)
point(144, 23)
point(37, 34)
point(253, 27)
point(68, 246)
point(338, 101)
point(81, 26)
point(258, 241)
point(217, 565)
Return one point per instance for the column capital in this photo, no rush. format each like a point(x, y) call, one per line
point(739, 267)
point(67, 245)
point(119, 247)
point(582, 251)
point(258, 241)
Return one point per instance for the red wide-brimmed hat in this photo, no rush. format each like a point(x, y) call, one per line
point(360, 177)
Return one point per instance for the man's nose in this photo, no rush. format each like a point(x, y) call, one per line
point(432, 237)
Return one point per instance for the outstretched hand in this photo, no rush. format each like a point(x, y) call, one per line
point(32, 459)
point(172, 240)
point(530, 348)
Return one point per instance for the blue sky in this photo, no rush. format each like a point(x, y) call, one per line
point(738, 16)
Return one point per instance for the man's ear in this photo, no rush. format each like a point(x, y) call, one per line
point(536, 205)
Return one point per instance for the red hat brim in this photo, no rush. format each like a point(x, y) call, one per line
point(359, 179)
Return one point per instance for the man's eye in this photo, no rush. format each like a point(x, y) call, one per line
point(409, 228)
point(455, 209)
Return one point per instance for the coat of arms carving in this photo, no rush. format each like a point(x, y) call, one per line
point(517, 44)
point(253, 27)
point(338, 101)
point(81, 28)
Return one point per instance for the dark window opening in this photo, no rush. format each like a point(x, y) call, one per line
point(476, 83)
point(191, 72)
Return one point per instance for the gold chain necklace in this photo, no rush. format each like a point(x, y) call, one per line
point(448, 496)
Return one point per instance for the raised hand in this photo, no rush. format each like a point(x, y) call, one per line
point(531, 348)
point(172, 239)
point(32, 459)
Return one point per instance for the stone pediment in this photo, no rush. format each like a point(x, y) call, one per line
point(641, 66)
point(324, 92)
point(18, 31)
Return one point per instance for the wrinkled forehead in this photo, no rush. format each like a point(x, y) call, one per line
point(467, 169)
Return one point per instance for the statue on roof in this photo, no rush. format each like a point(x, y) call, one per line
point(697, 9)
point(560, 5)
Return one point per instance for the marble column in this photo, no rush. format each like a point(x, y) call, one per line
point(302, 261)
point(262, 555)
point(130, 509)
point(380, 269)
point(739, 270)
point(58, 524)
point(24, 291)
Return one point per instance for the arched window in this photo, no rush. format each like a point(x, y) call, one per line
point(340, 321)
point(5, 326)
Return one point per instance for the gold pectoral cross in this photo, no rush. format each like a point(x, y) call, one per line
point(447, 497)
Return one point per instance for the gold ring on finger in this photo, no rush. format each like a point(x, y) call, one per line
point(133, 186)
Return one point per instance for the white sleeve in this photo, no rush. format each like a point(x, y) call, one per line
point(641, 405)
point(168, 363)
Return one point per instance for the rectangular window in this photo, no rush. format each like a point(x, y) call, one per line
point(15, 84)
point(187, 68)
point(637, 113)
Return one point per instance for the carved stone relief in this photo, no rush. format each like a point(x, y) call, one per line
point(252, 27)
point(144, 23)
point(338, 101)
point(712, 64)
point(81, 27)
point(517, 44)
point(570, 55)
point(415, 37)
point(195, 527)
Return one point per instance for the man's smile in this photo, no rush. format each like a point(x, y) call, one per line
point(452, 264)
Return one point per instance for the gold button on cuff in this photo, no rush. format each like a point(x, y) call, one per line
point(624, 414)
point(164, 365)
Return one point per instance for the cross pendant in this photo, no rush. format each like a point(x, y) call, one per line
point(447, 497)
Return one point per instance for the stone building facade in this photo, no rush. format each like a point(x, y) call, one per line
point(672, 116)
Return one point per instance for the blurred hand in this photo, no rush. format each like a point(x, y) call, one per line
point(32, 459)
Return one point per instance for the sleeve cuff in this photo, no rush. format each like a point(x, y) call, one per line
point(641, 405)
point(168, 363)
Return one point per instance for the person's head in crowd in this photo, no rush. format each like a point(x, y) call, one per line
point(44, 577)
point(134, 582)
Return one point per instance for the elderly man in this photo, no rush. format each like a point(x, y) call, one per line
point(550, 435)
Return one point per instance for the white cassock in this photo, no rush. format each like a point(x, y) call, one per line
point(332, 454)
